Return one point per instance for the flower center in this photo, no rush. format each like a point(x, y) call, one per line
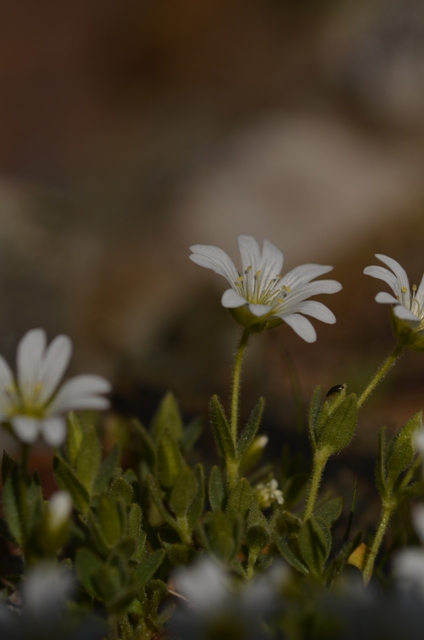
point(28, 404)
point(256, 290)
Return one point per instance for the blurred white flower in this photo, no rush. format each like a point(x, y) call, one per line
point(260, 295)
point(59, 509)
point(268, 493)
point(408, 303)
point(32, 402)
point(409, 563)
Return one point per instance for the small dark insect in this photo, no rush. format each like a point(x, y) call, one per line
point(336, 389)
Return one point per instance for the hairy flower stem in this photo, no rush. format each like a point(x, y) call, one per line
point(378, 539)
point(320, 460)
point(384, 369)
point(233, 465)
point(235, 393)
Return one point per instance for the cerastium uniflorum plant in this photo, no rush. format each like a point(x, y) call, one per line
point(145, 538)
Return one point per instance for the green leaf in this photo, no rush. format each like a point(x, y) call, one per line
point(170, 462)
point(294, 489)
point(107, 582)
point(198, 504)
point(87, 565)
point(148, 567)
point(257, 537)
point(329, 512)
point(110, 522)
point(183, 492)
point(288, 555)
point(191, 434)
point(74, 436)
point(7, 466)
point(380, 468)
point(149, 445)
point(221, 430)
point(135, 529)
point(178, 553)
point(107, 471)
point(251, 428)
point(220, 535)
point(157, 499)
point(314, 545)
point(167, 418)
point(314, 415)
point(337, 431)
point(12, 505)
point(240, 499)
point(67, 480)
point(123, 490)
point(401, 450)
point(216, 489)
point(89, 458)
point(98, 539)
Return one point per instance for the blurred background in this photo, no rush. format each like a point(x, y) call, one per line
point(130, 130)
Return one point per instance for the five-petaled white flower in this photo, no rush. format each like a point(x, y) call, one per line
point(31, 401)
point(408, 303)
point(260, 297)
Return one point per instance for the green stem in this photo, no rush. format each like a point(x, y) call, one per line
point(24, 476)
point(320, 460)
point(235, 393)
point(384, 369)
point(378, 539)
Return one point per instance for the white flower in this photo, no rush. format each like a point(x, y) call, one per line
point(409, 563)
point(32, 402)
point(268, 493)
point(259, 293)
point(408, 303)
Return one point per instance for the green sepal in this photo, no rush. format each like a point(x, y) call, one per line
point(11, 499)
point(170, 462)
point(221, 430)
point(290, 556)
point(107, 471)
point(148, 567)
point(240, 499)
point(216, 489)
point(335, 433)
point(74, 437)
point(183, 492)
point(314, 545)
point(67, 480)
point(89, 457)
point(251, 428)
point(401, 450)
point(167, 418)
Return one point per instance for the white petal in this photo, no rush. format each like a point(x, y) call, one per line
point(29, 359)
point(271, 262)
point(405, 314)
point(204, 584)
point(27, 429)
point(399, 271)
point(291, 303)
point(259, 310)
point(317, 310)
point(409, 569)
point(216, 259)
point(80, 388)
point(418, 520)
point(231, 299)
point(419, 440)
point(384, 274)
point(304, 273)
point(6, 377)
point(96, 403)
point(386, 298)
point(250, 253)
point(8, 394)
point(301, 326)
point(54, 430)
point(420, 292)
point(54, 366)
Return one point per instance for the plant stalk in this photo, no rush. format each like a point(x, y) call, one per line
point(378, 539)
point(384, 369)
point(320, 460)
